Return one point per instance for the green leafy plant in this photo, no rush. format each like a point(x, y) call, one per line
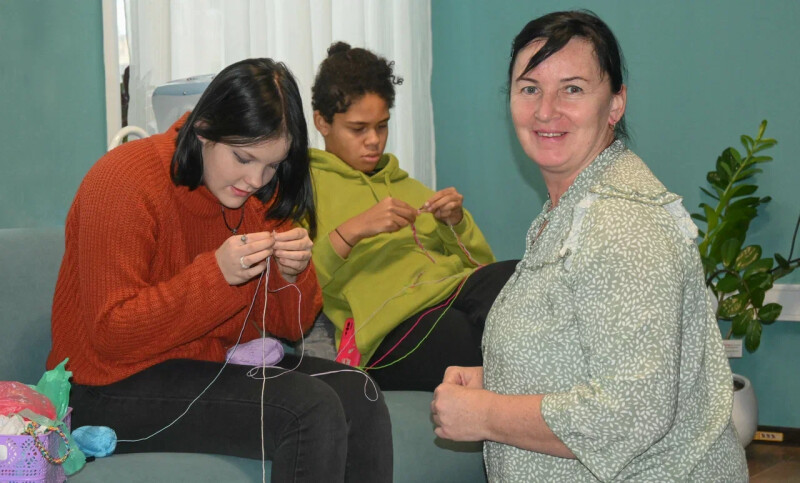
point(737, 274)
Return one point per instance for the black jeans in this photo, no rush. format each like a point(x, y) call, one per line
point(315, 428)
point(455, 341)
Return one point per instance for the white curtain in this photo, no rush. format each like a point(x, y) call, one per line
point(176, 39)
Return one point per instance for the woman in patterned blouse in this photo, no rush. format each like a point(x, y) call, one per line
point(602, 357)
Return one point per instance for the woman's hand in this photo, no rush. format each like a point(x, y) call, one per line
point(469, 377)
point(460, 405)
point(463, 410)
point(242, 257)
point(387, 216)
point(446, 206)
point(292, 252)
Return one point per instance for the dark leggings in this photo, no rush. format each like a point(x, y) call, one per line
point(455, 341)
point(315, 428)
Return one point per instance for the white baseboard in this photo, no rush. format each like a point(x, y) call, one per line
point(788, 295)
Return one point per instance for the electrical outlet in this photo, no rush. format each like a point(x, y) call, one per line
point(771, 436)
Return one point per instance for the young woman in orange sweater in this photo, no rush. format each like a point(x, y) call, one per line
point(172, 244)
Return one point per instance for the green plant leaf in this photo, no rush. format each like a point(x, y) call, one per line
point(761, 159)
point(782, 262)
point(709, 264)
point(713, 178)
point(741, 322)
point(732, 306)
point(748, 173)
point(737, 158)
point(729, 250)
point(764, 144)
point(736, 223)
point(743, 190)
point(725, 164)
point(712, 195)
point(739, 217)
point(725, 231)
point(748, 202)
point(699, 217)
point(761, 128)
point(730, 283)
point(718, 237)
point(757, 297)
point(711, 215)
point(781, 272)
point(757, 267)
point(759, 280)
point(753, 337)
point(747, 141)
point(748, 255)
point(769, 313)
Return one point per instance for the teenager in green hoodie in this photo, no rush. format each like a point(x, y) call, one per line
point(408, 266)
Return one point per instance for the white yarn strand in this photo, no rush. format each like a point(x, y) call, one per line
point(241, 331)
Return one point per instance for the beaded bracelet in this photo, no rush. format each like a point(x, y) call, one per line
point(31, 430)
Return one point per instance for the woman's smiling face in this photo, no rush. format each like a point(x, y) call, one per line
point(563, 110)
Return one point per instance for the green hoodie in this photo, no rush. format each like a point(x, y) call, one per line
point(386, 278)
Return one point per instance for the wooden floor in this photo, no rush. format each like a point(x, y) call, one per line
point(769, 462)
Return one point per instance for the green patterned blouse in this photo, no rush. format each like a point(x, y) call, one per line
point(607, 314)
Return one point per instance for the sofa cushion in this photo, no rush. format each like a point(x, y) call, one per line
point(29, 263)
point(170, 467)
point(418, 455)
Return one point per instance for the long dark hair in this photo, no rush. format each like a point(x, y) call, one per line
point(249, 102)
point(346, 75)
point(557, 29)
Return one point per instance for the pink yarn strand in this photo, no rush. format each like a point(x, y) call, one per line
point(463, 248)
point(449, 300)
point(419, 243)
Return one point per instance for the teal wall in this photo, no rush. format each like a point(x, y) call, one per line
point(700, 75)
point(52, 106)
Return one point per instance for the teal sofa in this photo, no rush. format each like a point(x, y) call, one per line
point(29, 263)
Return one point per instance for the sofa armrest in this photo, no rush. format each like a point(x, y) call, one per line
point(29, 262)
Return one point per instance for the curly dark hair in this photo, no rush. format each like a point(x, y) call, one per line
point(346, 75)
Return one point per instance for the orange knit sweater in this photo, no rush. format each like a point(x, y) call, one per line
point(139, 282)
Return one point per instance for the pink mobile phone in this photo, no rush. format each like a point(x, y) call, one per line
point(348, 352)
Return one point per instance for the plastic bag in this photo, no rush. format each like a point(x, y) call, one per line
point(16, 397)
point(55, 385)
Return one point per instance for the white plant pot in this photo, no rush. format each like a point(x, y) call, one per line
point(745, 409)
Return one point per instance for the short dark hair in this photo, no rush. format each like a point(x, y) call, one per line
point(557, 29)
point(249, 102)
point(346, 75)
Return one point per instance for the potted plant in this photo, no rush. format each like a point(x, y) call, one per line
point(737, 274)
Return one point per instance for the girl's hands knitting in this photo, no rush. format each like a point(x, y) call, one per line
point(446, 206)
point(242, 257)
point(388, 216)
point(292, 252)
